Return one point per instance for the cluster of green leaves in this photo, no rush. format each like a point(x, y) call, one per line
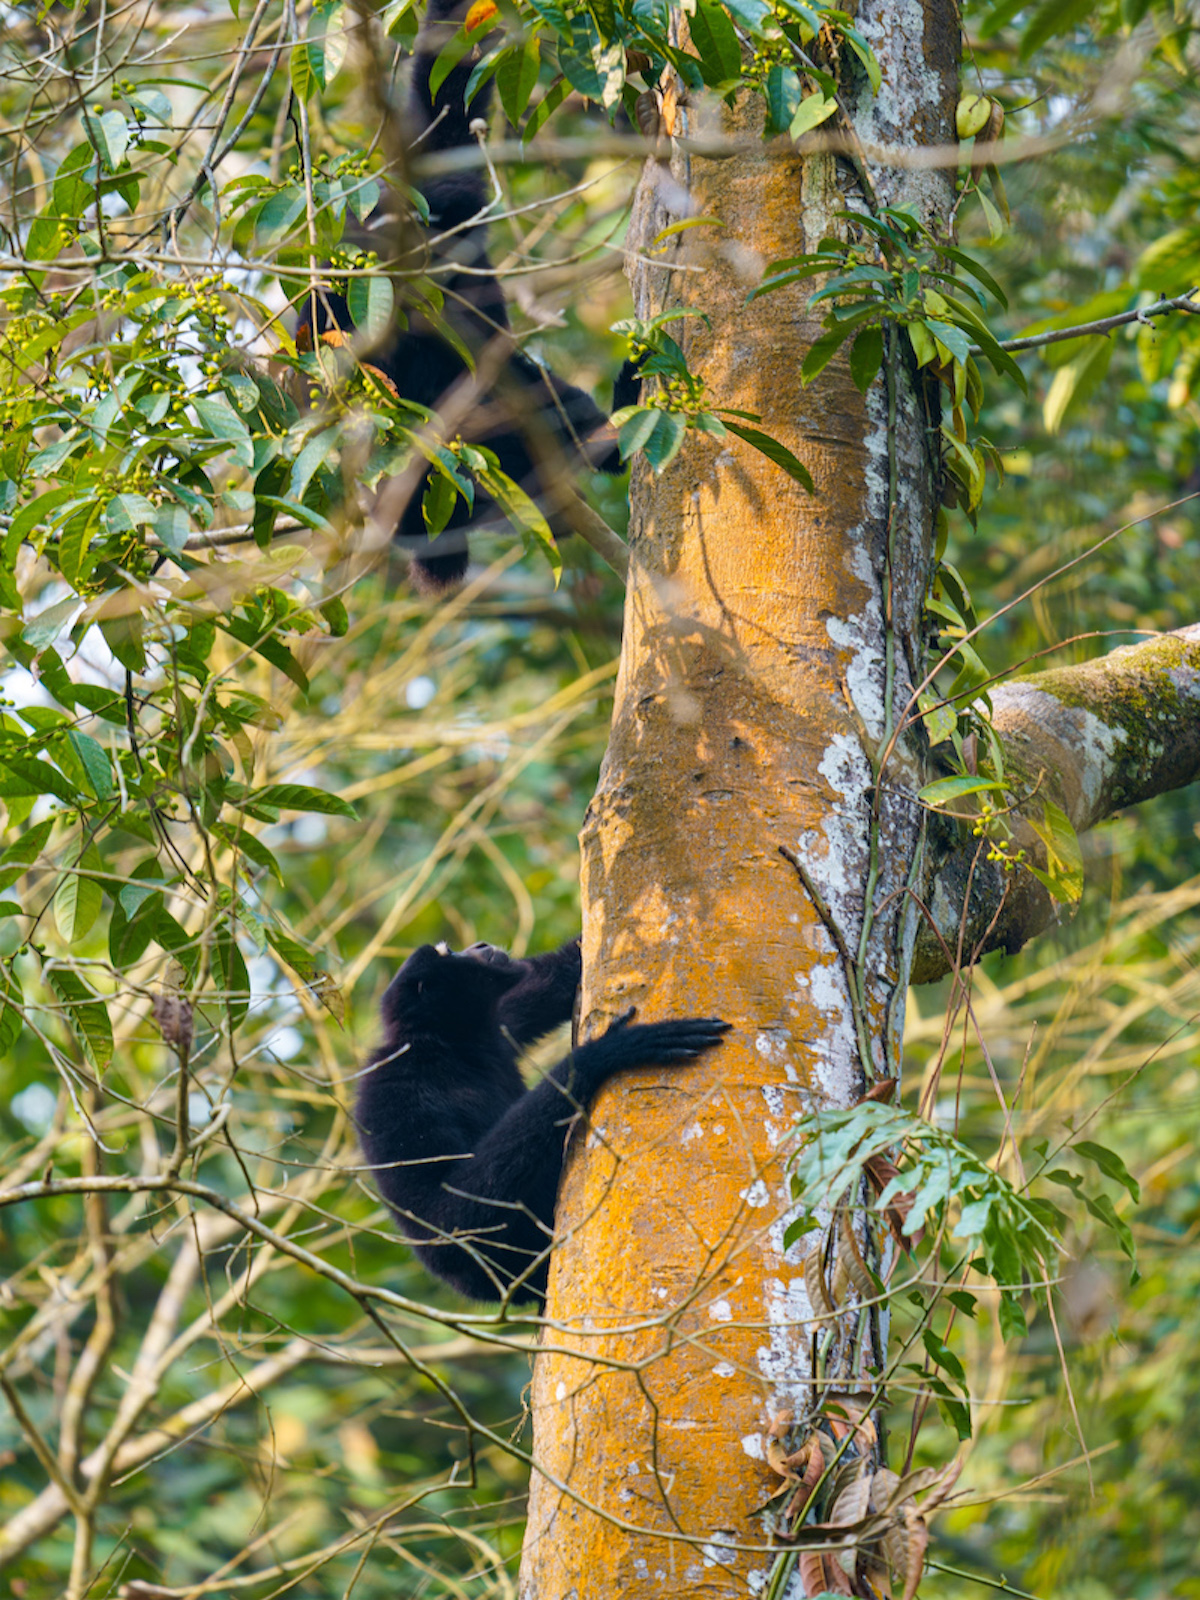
point(945, 1191)
point(892, 273)
point(782, 50)
point(658, 427)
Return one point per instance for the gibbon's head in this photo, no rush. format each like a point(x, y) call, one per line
point(455, 199)
point(447, 991)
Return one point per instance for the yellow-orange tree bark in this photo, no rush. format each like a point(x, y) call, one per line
point(771, 641)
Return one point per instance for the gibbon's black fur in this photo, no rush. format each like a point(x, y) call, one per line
point(539, 426)
point(467, 1157)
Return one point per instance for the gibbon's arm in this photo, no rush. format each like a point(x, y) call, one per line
point(545, 996)
point(497, 1206)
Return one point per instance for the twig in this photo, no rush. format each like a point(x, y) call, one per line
point(1160, 308)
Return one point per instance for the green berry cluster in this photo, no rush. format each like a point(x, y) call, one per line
point(352, 167)
point(768, 54)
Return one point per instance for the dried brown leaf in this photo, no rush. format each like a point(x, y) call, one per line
point(942, 1485)
point(814, 1282)
point(852, 1256)
point(812, 1572)
point(884, 1485)
point(917, 1541)
point(854, 1501)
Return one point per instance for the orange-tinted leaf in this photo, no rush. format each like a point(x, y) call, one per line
point(481, 14)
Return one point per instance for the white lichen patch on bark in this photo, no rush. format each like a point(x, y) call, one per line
point(861, 634)
point(775, 1045)
point(909, 92)
point(788, 1311)
point(838, 869)
point(834, 1052)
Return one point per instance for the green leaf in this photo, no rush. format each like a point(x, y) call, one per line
point(753, 15)
point(976, 271)
point(230, 974)
point(451, 53)
point(75, 558)
point(12, 1008)
point(296, 956)
point(666, 439)
point(940, 718)
point(34, 515)
point(84, 1013)
point(716, 42)
point(95, 762)
point(1012, 1318)
point(1073, 385)
point(220, 421)
point(812, 111)
point(1102, 1208)
point(1063, 874)
point(78, 898)
point(781, 90)
point(130, 932)
point(318, 450)
point(866, 358)
point(1001, 13)
point(183, 946)
point(545, 108)
point(1110, 1165)
point(26, 775)
point(293, 797)
point(520, 510)
point(109, 133)
point(941, 1355)
point(268, 646)
point(371, 305)
point(1052, 17)
point(866, 55)
point(776, 452)
point(947, 791)
point(305, 79)
point(995, 222)
point(125, 513)
point(954, 339)
point(822, 353)
point(46, 239)
point(45, 628)
point(632, 432)
point(23, 852)
point(251, 847)
point(594, 66)
point(123, 635)
point(517, 76)
point(438, 502)
point(1000, 359)
point(172, 525)
point(336, 616)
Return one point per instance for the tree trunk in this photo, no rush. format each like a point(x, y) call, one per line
point(772, 640)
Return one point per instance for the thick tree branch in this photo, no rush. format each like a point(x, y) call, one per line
point(1093, 739)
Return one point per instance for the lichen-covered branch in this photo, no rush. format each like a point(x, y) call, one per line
point(1092, 739)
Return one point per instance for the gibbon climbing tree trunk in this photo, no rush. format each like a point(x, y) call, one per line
point(772, 642)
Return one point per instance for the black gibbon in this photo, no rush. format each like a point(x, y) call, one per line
point(542, 429)
point(467, 1157)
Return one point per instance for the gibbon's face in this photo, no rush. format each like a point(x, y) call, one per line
point(452, 989)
